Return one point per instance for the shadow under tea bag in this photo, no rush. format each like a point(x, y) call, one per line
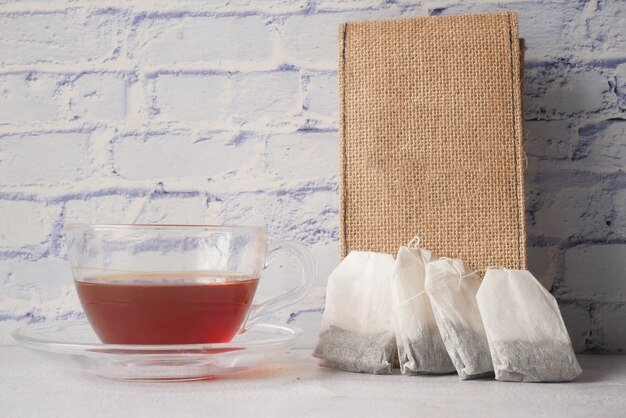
point(420, 347)
point(527, 337)
point(357, 332)
point(452, 288)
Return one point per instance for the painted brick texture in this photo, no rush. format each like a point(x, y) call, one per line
point(226, 112)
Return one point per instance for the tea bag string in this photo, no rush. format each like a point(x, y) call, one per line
point(461, 277)
point(415, 242)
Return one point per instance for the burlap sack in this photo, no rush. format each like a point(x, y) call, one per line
point(431, 137)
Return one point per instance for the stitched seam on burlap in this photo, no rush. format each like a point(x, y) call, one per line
point(513, 109)
point(342, 139)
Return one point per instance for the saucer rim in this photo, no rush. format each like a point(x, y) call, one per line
point(292, 333)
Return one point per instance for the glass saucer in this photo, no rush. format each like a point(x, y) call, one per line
point(74, 346)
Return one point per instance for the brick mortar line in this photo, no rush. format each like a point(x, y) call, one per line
point(131, 66)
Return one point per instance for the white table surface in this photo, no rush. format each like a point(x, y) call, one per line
point(294, 386)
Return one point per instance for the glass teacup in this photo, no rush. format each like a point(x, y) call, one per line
point(176, 284)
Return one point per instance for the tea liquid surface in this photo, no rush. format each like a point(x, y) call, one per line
point(166, 308)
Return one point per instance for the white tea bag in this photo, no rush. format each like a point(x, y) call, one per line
point(452, 288)
point(527, 337)
point(420, 347)
point(357, 332)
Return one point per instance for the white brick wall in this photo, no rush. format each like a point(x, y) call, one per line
point(26, 97)
point(45, 159)
point(189, 111)
point(222, 42)
point(97, 97)
point(26, 224)
point(182, 155)
point(67, 35)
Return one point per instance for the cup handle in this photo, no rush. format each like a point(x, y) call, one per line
point(307, 277)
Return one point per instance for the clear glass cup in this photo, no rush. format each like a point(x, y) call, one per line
point(176, 284)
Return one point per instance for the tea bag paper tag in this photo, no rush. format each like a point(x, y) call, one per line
point(527, 336)
point(357, 330)
point(420, 347)
point(451, 288)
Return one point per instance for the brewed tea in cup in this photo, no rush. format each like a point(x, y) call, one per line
point(175, 284)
